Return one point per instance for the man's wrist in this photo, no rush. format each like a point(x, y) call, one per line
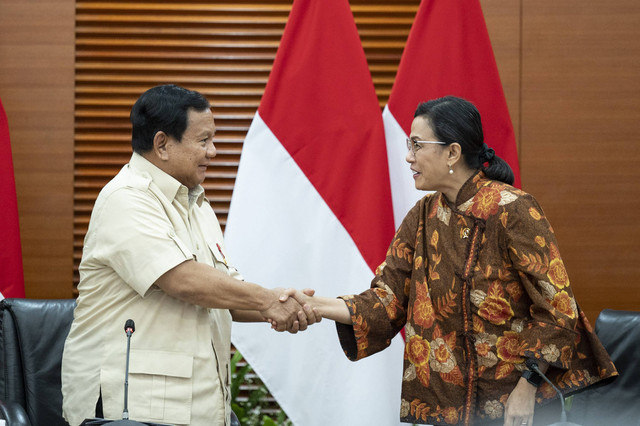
point(265, 298)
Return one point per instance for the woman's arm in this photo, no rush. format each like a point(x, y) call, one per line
point(335, 309)
point(326, 307)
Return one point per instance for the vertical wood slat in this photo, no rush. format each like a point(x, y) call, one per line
point(223, 49)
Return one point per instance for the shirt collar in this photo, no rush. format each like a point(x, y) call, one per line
point(167, 184)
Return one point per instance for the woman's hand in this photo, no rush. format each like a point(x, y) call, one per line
point(519, 408)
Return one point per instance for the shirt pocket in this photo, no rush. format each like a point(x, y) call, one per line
point(160, 386)
point(217, 252)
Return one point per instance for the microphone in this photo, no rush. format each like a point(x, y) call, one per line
point(129, 328)
point(532, 365)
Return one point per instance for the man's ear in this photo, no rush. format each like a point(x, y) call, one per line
point(160, 143)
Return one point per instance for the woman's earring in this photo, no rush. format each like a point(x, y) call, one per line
point(450, 170)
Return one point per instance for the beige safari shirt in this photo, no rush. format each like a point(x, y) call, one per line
point(143, 224)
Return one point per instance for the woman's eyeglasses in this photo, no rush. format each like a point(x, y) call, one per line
point(414, 145)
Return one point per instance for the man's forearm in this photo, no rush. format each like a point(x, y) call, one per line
point(240, 315)
point(203, 285)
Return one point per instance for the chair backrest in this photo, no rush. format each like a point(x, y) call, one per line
point(619, 402)
point(32, 336)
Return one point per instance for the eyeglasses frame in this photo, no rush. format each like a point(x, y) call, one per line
point(411, 144)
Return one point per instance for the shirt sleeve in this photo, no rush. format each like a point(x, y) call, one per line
point(380, 312)
point(551, 333)
point(136, 238)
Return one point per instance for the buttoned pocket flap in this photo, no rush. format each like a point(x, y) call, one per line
point(160, 386)
point(181, 245)
point(216, 251)
point(172, 364)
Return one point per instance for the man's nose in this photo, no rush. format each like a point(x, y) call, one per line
point(211, 150)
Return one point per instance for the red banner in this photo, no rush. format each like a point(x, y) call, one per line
point(11, 276)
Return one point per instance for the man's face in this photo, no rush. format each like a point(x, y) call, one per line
point(188, 159)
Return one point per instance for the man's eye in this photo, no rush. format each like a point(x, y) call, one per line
point(416, 146)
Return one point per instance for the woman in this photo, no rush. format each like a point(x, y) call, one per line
point(475, 278)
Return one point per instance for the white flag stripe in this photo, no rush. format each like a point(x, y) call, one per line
point(281, 233)
point(403, 189)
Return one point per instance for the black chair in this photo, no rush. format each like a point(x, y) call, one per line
point(32, 336)
point(619, 402)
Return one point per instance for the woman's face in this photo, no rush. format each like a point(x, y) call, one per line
point(429, 163)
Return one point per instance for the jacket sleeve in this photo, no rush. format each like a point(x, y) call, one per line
point(380, 312)
point(551, 333)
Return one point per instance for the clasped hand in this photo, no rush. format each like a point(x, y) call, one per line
point(289, 312)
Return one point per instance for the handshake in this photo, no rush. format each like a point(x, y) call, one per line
point(292, 310)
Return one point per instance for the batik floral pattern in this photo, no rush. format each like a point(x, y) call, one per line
point(485, 203)
point(485, 348)
point(495, 308)
point(418, 351)
point(423, 312)
point(557, 274)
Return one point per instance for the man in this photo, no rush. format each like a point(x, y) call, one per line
point(154, 253)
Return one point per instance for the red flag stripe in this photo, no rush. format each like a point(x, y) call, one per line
point(329, 130)
point(11, 275)
point(449, 53)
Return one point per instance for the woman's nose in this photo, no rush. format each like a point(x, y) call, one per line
point(409, 158)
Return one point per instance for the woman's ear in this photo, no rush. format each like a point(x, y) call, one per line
point(455, 153)
point(160, 145)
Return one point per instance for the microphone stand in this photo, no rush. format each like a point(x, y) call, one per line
point(563, 415)
point(129, 328)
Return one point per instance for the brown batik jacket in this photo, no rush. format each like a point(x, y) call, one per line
point(478, 286)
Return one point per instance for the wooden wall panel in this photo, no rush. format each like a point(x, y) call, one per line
point(503, 18)
point(36, 88)
point(579, 140)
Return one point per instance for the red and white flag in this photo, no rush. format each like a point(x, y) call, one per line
point(448, 53)
point(312, 208)
point(11, 276)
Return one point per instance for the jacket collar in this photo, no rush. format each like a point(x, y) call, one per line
point(471, 187)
